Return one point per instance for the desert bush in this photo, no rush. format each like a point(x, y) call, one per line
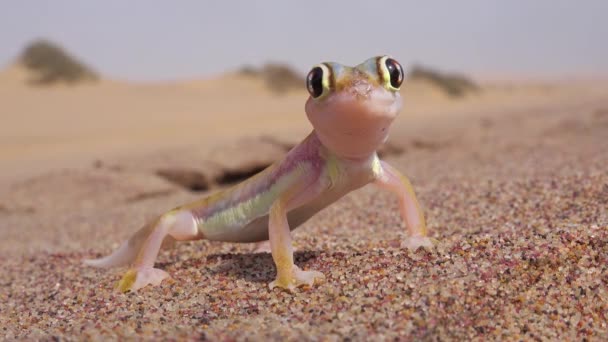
point(454, 85)
point(249, 71)
point(50, 64)
point(279, 78)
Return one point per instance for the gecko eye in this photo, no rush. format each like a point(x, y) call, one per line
point(314, 82)
point(391, 72)
point(396, 72)
point(317, 81)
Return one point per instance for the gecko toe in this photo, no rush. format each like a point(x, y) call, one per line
point(297, 278)
point(135, 279)
point(415, 242)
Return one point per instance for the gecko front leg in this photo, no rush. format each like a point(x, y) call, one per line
point(289, 276)
point(411, 212)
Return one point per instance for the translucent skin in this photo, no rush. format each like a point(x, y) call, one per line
point(351, 120)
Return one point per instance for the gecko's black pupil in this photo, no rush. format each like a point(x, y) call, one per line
point(314, 82)
point(395, 71)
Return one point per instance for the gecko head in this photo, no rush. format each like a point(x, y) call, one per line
point(352, 108)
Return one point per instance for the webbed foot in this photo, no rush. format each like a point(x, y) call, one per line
point(296, 278)
point(135, 279)
point(415, 242)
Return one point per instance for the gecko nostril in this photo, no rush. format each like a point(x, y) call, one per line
point(360, 88)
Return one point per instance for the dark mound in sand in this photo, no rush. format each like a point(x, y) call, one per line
point(454, 85)
point(49, 64)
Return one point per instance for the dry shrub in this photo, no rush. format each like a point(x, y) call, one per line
point(453, 85)
point(50, 64)
point(279, 78)
point(249, 71)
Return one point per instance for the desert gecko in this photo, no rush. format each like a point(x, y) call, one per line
point(351, 110)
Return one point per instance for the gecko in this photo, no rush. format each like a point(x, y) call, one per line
point(351, 110)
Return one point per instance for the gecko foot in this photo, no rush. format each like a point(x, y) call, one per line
point(135, 279)
point(296, 278)
point(415, 242)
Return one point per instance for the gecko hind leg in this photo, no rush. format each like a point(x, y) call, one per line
point(179, 225)
point(127, 252)
point(142, 249)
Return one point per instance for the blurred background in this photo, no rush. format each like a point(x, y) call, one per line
point(84, 83)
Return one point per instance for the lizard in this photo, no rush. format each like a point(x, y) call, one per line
point(351, 110)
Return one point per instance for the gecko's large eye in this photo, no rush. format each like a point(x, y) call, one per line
point(317, 81)
point(391, 72)
point(314, 82)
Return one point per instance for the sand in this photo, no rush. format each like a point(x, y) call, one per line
point(513, 181)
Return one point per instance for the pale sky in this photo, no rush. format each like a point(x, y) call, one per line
point(161, 40)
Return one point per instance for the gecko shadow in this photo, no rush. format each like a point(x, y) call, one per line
point(252, 267)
